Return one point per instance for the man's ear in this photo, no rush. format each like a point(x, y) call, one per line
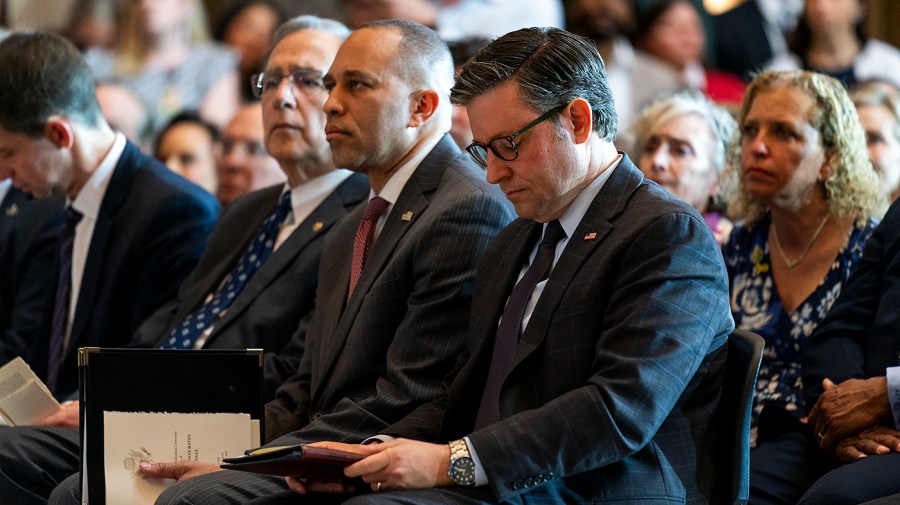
point(581, 117)
point(423, 105)
point(58, 130)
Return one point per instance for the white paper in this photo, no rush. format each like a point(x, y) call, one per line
point(24, 399)
point(134, 437)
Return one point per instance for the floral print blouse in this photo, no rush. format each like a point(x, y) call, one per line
point(756, 307)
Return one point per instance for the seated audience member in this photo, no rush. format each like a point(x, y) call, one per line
point(271, 303)
point(29, 251)
point(461, 50)
point(163, 55)
point(394, 291)
point(248, 27)
point(610, 24)
point(244, 165)
point(671, 33)
point(680, 142)
point(592, 382)
point(851, 370)
point(124, 112)
point(752, 33)
point(878, 107)
point(831, 39)
point(807, 199)
point(189, 146)
point(131, 230)
point(93, 23)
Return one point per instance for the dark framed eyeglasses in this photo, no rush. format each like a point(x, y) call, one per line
point(505, 147)
point(305, 80)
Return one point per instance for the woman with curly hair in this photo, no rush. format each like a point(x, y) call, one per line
point(800, 182)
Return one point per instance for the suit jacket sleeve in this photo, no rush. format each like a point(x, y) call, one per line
point(32, 295)
point(172, 251)
point(858, 337)
point(667, 309)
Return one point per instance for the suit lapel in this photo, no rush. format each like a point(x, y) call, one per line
point(116, 194)
point(209, 283)
point(411, 205)
point(591, 232)
point(317, 223)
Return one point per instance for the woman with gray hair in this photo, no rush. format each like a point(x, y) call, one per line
point(680, 141)
point(801, 183)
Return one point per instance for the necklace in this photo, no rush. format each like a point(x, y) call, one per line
point(792, 263)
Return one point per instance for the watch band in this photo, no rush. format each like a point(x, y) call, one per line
point(459, 449)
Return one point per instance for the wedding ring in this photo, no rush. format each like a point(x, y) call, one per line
point(821, 436)
point(378, 487)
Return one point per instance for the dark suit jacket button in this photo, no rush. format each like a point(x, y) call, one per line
point(539, 479)
point(517, 485)
point(317, 414)
point(529, 482)
point(549, 475)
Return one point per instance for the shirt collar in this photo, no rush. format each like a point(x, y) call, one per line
point(88, 200)
point(310, 193)
point(573, 215)
point(4, 188)
point(393, 187)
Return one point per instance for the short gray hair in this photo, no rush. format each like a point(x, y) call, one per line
point(720, 122)
point(310, 22)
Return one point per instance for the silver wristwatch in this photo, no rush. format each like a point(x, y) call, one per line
point(462, 468)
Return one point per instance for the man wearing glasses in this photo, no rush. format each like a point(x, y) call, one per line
point(396, 275)
point(272, 302)
point(599, 317)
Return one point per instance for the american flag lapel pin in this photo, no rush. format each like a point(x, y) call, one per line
point(407, 216)
point(318, 225)
point(12, 210)
point(591, 236)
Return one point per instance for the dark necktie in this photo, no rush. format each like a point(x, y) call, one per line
point(511, 324)
point(71, 217)
point(258, 251)
point(363, 242)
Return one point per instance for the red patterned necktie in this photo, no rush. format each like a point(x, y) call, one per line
point(363, 242)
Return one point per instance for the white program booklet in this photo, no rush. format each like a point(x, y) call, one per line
point(24, 398)
point(131, 438)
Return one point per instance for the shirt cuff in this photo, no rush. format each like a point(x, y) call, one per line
point(893, 387)
point(377, 439)
point(480, 477)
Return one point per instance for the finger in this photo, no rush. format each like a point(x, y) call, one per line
point(870, 447)
point(164, 470)
point(296, 485)
point(827, 384)
point(888, 441)
point(325, 487)
point(848, 453)
point(367, 466)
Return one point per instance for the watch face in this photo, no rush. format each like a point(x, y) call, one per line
point(462, 471)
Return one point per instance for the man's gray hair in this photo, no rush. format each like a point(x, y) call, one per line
point(310, 22)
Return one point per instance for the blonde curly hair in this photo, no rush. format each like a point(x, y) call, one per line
point(852, 187)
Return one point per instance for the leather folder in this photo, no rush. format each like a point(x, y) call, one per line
point(302, 461)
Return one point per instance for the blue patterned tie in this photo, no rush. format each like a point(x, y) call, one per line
point(60, 323)
point(184, 335)
point(511, 324)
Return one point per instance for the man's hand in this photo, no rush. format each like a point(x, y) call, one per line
point(66, 417)
point(397, 464)
point(403, 464)
point(181, 470)
point(849, 408)
point(877, 440)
